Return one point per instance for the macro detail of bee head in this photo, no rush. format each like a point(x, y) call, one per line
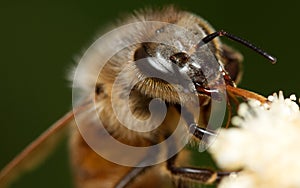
point(142, 92)
point(158, 82)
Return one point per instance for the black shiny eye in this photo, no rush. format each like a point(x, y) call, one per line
point(141, 52)
point(180, 58)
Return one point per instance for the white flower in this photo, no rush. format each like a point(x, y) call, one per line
point(265, 144)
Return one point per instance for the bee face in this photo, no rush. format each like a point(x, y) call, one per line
point(199, 64)
point(180, 52)
point(171, 52)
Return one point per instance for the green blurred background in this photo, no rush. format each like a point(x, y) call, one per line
point(39, 40)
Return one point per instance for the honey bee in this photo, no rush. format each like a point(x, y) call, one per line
point(176, 60)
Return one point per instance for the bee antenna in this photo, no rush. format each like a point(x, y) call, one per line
point(220, 33)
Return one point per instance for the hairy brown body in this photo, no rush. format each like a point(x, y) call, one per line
point(90, 169)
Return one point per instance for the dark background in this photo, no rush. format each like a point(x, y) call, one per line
point(39, 40)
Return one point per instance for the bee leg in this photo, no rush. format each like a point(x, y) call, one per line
point(193, 127)
point(200, 175)
point(130, 177)
point(199, 132)
point(135, 172)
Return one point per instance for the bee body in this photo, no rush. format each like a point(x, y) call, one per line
point(90, 169)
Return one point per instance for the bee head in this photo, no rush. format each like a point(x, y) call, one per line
point(194, 70)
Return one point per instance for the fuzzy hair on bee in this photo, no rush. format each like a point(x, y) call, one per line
point(142, 93)
point(177, 57)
